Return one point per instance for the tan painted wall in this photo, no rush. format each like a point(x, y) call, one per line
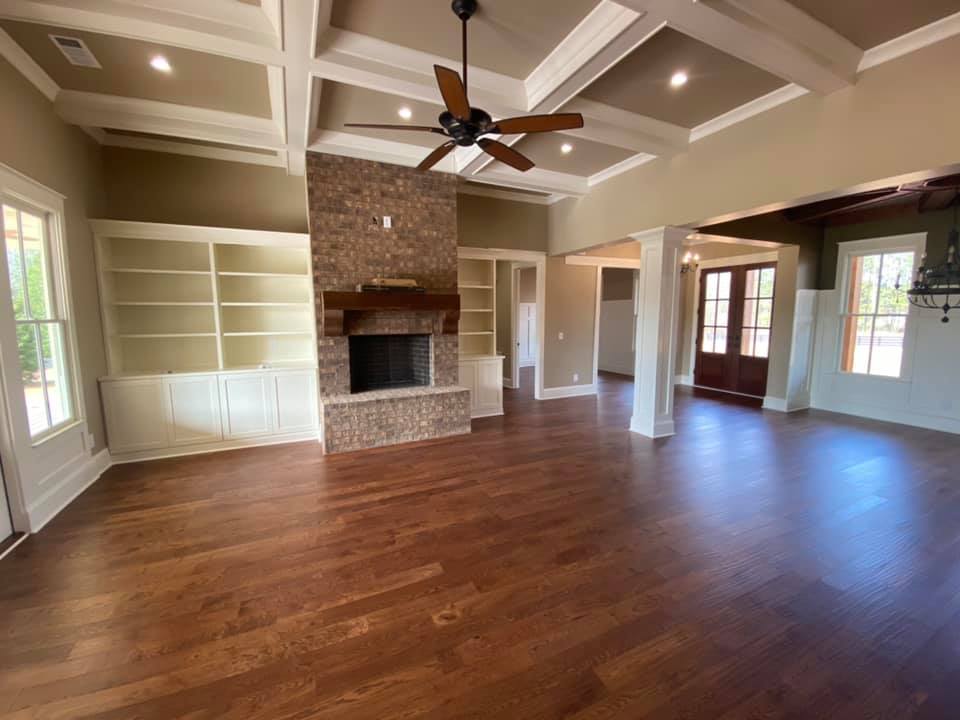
point(34, 141)
point(485, 222)
point(570, 309)
point(617, 284)
point(899, 118)
point(166, 188)
point(505, 316)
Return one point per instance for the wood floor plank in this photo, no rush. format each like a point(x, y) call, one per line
point(550, 565)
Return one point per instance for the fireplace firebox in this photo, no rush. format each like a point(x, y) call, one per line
point(381, 362)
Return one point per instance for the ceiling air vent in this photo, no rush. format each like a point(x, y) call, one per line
point(75, 50)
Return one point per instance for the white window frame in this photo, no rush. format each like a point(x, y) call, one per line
point(915, 243)
point(22, 192)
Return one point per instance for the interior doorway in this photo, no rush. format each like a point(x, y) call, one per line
point(735, 318)
point(524, 312)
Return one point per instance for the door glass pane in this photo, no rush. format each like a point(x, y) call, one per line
point(750, 313)
point(720, 342)
point(887, 346)
point(723, 313)
point(14, 265)
point(766, 282)
point(708, 339)
point(723, 291)
point(28, 344)
point(897, 267)
point(712, 286)
point(762, 347)
point(35, 261)
point(710, 312)
point(746, 342)
point(752, 284)
point(764, 313)
point(55, 371)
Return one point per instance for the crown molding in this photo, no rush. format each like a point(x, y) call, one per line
point(367, 148)
point(500, 194)
point(192, 150)
point(621, 167)
point(778, 97)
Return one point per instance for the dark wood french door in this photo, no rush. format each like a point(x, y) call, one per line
point(733, 328)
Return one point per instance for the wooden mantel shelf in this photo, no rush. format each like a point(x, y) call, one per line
point(334, 304)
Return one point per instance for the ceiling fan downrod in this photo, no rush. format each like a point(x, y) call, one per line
point(464, 9)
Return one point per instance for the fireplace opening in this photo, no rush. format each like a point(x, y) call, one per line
point(379, 362)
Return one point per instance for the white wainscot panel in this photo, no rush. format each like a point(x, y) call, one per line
point(247, 405)
point(193, 410)
point(935, 390)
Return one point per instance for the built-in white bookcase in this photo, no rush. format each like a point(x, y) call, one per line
point(476, 279)
point(179, 299)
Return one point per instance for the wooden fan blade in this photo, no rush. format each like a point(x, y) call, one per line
point(539, 123)
point(436, 156)
point(454, 94)
point(506, 154)
point(417, 128)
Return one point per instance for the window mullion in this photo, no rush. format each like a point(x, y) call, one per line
point(43, 374)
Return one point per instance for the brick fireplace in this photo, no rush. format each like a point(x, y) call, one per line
point(347, 197)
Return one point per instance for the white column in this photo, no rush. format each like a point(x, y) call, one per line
point(657, 319)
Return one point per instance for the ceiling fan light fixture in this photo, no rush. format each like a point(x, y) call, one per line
point(679, 79)
point(405, 113)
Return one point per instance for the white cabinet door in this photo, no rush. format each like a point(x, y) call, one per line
point(527, 335)
point(247, 402)
point(489, 385)
point(135, 417)
point(193, 410)
point(296, 401)
point(468, 379)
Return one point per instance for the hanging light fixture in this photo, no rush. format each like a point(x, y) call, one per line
point(938, 287)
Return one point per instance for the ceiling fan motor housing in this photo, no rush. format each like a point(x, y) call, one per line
point(466, 132)
point(464, 9)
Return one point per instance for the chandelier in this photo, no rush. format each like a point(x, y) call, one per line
point(938, 287)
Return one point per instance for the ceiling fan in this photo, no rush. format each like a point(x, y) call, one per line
point(466, 126)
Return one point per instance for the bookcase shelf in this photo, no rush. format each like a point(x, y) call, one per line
point(191, 299)
point(477, 281)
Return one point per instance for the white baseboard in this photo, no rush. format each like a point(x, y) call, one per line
point(87, 471)
point(770, 402)
point(486, 413)
point(928, 422)
point(618, 369)
point(568, 391)
point(683, 380)
point(184, 450)
point(508, 383)
point(661, 428)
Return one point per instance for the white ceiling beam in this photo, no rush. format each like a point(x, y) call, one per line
point(368, 148)
point(304, 21)
point(765, 47)
point(613, 126)
point(536, 179)
point(112, 17)
point(795, 25)
point(160, 118)
point(27, 66)
point(191, 149)
point(492, 191)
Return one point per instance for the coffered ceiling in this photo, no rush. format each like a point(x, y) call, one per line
point(264, 81)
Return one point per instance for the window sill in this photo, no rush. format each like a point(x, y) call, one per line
point(55, 432)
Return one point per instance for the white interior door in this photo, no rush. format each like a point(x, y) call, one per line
point(528, 334)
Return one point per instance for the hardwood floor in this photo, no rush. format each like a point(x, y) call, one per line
point(551, 565)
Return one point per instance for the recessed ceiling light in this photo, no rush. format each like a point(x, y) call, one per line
point(405, 112)
point(679, 79)
point(159, 62)
point(566, 148)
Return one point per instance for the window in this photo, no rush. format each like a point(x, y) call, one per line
point(40, 325)
point(716, 312)
point(875, 313)
point(757, 312)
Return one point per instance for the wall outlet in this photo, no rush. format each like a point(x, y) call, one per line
point(387, 222)
point(560, 336)
point(576, 377)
